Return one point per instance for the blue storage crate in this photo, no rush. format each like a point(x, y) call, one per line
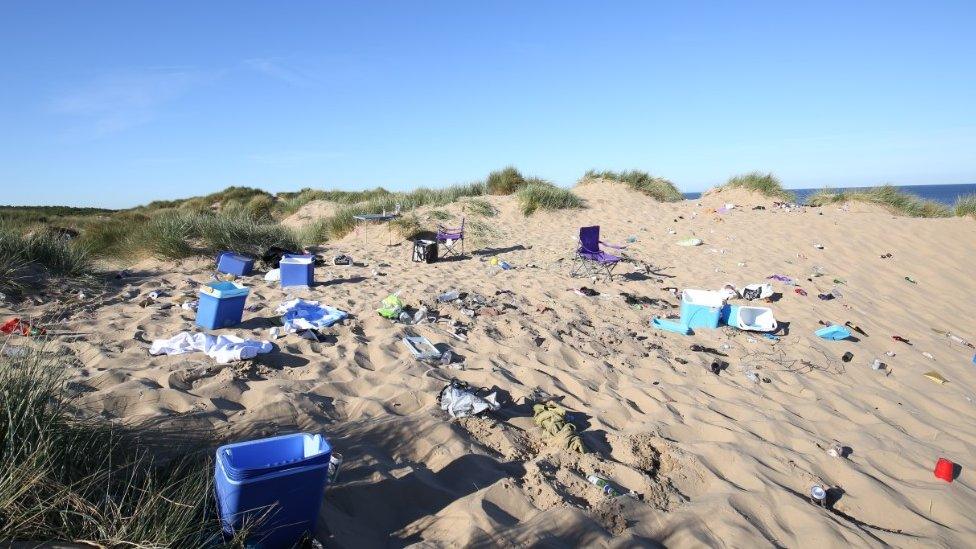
point(297, 270)
point(277, 482)
point(221, 305)
point(235, 264)
point(702, 308)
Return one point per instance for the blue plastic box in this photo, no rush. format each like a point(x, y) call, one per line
point(297, 270)
point(277, 481)
point(235, 264)
point(221, 305)
point(702, 308)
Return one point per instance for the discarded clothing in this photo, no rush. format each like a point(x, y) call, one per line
point(299, 314)
point(551, 417)
point(223, 349)
point(274, 275)
point(342, 260)
point(459, 400)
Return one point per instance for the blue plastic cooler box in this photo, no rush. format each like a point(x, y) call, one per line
point(235, 264)
point(221, 305)
point(702, 308)
point(274, 486)
point(297, 270)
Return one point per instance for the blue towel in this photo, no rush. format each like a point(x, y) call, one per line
point(833, 332)
point(675, 327)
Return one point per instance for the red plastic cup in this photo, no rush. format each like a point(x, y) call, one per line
point(943, 469)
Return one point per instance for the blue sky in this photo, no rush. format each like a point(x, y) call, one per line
point(119, 103)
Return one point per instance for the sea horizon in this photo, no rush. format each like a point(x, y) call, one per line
point(946, 194)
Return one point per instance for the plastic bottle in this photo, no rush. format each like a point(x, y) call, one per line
point(420, 315)
point(335, 461)
point(447, 297)
point(447, 357)
point(603, 484)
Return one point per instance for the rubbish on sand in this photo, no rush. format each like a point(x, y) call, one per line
point(755, 319)
point(689, 242)
point(757, 291)
point(886, 256)
point(936, 377)
point(818, 246)
point(801, 291)
point(551, 417)
point(928, 355)
point(944, 469)
point(459, 400)
point(910, 279)
point(300, 314)
point(669, 326)
point(223, 349)
point(287, 473)
point(818, 496)
point(825, 297)
point(856, 328)
point(391, 308)
point(587, 292)
point(274, 275)
point(901, 339)
point(449, 296)
point(840, 281)
point(221, 304)
point(771, 337)
point(21, 327)
point(297, 270)
point(836, 450)
point(421, 348)
point(833, 332)
point(782, 278)
point(607, 487)
point(848, 356)
point(877, 365)
point(235, 264)
point(342, 260)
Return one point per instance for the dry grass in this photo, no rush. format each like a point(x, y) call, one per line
point(896, 201)
point(765, 184)
point(657, 188)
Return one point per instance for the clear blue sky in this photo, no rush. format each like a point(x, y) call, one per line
point(119, 103)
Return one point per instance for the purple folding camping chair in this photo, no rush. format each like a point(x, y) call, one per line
point(590, 260)
point(449, 237)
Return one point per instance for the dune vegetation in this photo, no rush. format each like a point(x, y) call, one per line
point(765, 184)
point(70, 479)
point(545, 196)
point(657, 188)
point(965, 206)
point(888, 196)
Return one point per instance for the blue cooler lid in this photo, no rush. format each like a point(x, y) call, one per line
point(224, 289)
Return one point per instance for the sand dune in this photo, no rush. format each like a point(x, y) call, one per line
point(718, 459)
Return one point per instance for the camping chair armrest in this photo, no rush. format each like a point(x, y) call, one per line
point(613, 246)
point(444, 229)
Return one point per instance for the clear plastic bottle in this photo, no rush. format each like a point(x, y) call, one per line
point(447, 297)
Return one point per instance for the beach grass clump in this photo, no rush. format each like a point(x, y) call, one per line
point(481, 207)
point(545, 196)
point(29, 259)
point(965, 205)
point(658, 188)
point(65, 478)
point(505, 181)
point(896, 201)
point(765, 184)
point(181, 234)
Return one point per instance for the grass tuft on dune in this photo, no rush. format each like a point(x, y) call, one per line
point(658, 188)
point(545, 196)
point(965, 205)
point(896, 201)
point(765, 184)
point(70, 479)
point(22, 254)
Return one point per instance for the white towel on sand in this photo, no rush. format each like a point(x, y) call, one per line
point(300, 314)
point(222, 348)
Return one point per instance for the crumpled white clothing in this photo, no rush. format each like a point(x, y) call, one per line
point(274, 275)
point(300, 314)
point(461, 403)
point(223, 348)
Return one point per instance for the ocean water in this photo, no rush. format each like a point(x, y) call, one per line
point(947, 194)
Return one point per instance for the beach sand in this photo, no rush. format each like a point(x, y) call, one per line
point(718, 459)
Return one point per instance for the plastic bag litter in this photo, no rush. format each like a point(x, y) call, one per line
point(757, 291)
point(392, 307)
point(458, 400)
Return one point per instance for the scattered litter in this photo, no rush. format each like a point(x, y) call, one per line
point(886, 256)
point(856, 328)
point(669, 326)
point(551, 417)
point(801, 291)
point(587, 292)
point(22, 327)
point(300, 314)
point(689, 242)
point(449, 296)
point(771, 337)
point(223, 348)
point(818, 496)
point(901, 339)
point(757, 291)
point(274, 275)
point(910, 279)
point(836, 450)
point(392, 307)
point(342, 260)
point(840, 281)
point(460, 400)
point(782, 278)
point(275, 332)
point(818, 246)
point(928, 355)
point(421, 348)
point(825, 297)
point(936, 377)
point(945, 469)
point(15, 352)
point(833, 332)
point(848, 356)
